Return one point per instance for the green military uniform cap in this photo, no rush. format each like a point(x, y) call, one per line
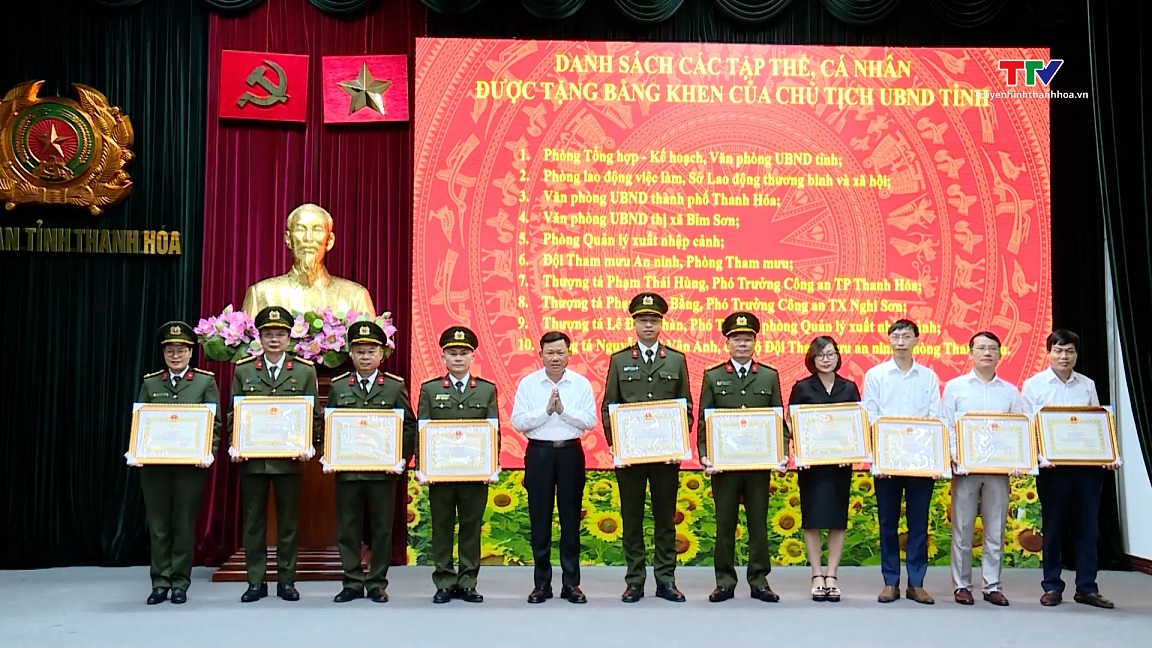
point(648, 304)
point(366, 333)
point(459, 336)
point(176, 332)
point(274, 316)
point(740, 322)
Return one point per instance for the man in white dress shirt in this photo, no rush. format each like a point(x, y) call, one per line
point(554, 408)
point(903, 387)
point(1069, 495)
point(980, 390)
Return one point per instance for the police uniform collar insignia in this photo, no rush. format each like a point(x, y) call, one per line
point(635, 352)
point(351, 381)
point(662, 354)
point(728, 367)
point(288, 365)
point(260, 364)
point(754, 367)
point(446, 385)
point(188, 375)
point(380, 379)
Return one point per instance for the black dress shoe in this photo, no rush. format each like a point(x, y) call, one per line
point(455, 592)
point(378, 595)
point(1094, 599)
point(442, 596)
point(722, 594)
point(633, 594)
point(287, 591)
point(179, 596)
point(668, 592)
point(573, 595)
point(765, 594)
point(158, 595)
point(347, 594)
point(470, 595)
point(256, 591)
point(539, 595)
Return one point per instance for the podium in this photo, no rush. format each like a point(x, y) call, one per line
point(318, 558)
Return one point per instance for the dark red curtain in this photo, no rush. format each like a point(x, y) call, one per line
point(257, 173)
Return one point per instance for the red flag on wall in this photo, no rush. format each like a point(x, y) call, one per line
point(263, 85)
point(365, 89)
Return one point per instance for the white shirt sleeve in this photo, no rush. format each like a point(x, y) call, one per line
point(1031, 406)
point(949, 415)
point(935, 406)
point(1093, 397)
point(526, 415)
point(872, 395)
point(582, 413)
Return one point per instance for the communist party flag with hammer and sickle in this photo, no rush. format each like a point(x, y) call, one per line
point(263, 86)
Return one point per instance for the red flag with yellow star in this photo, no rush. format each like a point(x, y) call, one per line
point(365, 88)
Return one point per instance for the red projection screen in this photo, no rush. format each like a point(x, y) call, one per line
point(829, 190)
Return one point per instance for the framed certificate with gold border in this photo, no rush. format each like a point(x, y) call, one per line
point(458, 450)
point(1077, 436)
point(650, 432)
point(830, 434)
point(362, 439)
point(744, 439)
point(271, 427)
point(911, 447)
point(993, 443)
point(171, 434)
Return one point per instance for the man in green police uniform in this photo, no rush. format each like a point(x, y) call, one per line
point(739, 383)
point(458, 395)
point(647, 371)
point(273, 373)
point(368, 388)
point(172, 493)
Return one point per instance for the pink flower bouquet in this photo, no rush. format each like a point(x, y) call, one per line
point(230, 336)
point(322, 336)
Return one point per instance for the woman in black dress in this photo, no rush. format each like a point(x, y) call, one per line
point(824, 489)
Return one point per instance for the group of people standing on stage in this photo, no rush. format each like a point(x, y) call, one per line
point(554, 407)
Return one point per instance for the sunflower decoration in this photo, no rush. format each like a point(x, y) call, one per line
point(856, 505)
point(1029, 495)
point(1030, 540)
point(605, 525)
point(689, 501)
point(414, 490)
point(782, 486)
point(862, 484)
point(413, 516)
point(411, 557)
point(933, 550)
point(786, 522)
point(977, 534)
point(707, 494)
point(601, 490)
point(741, 532)
point(486, 530)
point(791, 552)
point(687, 545)
point(493, 553)
point(683, 516)
point(502, 499)
point(793, 500)
point(691, 481)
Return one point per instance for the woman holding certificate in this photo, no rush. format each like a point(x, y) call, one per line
point(172, 492)
point(824, 489)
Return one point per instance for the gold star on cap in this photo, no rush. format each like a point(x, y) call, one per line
point(647, 300)
point(175, 330)
point(459, 335)
point(366, 91)
point(274, 316)
point(364, 330)
point(741, 321)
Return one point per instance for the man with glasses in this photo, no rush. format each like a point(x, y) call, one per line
point(980, 390)
point(1069, 495)
point(903, 387)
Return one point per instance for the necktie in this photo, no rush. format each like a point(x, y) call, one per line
point(648, 356)
point(743, 373)
point(364, 384)
point(460, 386)
point(175, 381)
point(272, 371)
